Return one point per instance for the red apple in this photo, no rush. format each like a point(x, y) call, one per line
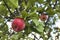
point(18, 24)
point(43, 17)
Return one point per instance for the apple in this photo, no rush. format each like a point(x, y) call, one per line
point(43, 17)
point(18, 24)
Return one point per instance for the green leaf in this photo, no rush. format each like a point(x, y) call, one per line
point(5, 29)
point(24, 6)
point(40, 9)
point(24, 14)
point(39, 26)
point(50, 11)
point(12, 3)
point(27, 28)
point(33, 9)
point(17, 36)
point(3, 10)
point(36, 21)
point(33, 15)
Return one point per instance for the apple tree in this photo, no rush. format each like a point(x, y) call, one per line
point(29, 17)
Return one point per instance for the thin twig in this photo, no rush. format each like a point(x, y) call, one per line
point(35, 37)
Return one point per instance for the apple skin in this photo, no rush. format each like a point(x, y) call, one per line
point(43, 17)
point(18, 24)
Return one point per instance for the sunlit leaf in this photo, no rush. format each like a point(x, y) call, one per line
point(39, 25)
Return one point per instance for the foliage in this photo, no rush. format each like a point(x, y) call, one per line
point(29, 10)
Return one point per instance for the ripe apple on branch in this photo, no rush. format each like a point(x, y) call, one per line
point(18, 24)
point(44, 16)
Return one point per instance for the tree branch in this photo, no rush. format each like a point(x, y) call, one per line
point(35, 37)
point(7, 6)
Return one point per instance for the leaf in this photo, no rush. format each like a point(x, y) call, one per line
point(35, 21)
point(24, 14)
point(39, 26)
point(30, 3)
point(3, 10)
point(33, 9)
point(40, 9)
point(50, 11)
point(27, 28)
point(17, 36)
point(5, 29)
point(12, 3)
point(24, 6)
point(33, 15)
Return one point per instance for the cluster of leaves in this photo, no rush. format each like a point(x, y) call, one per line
point(27, 9)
